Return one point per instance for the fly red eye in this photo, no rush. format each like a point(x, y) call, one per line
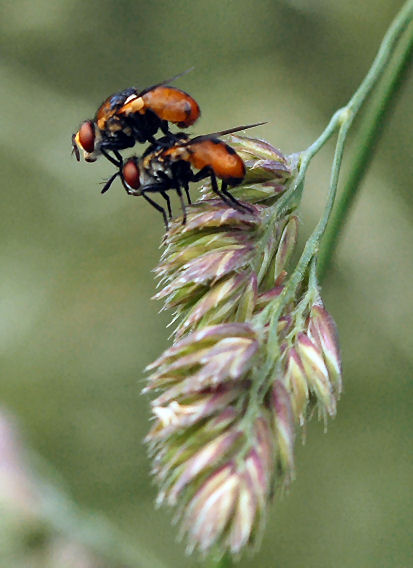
point(87, 136)
point(130, 174)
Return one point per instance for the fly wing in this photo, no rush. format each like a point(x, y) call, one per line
point(166, 82)
point(222, 133)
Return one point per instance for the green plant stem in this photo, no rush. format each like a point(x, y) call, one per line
point(381, 62)
point(310, 248)
point(365, 142)
point(341, 121)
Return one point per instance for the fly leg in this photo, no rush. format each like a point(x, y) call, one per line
point(168, 203)
point(110, 181)
point(181, 199)
point(118, 162)
point(208, 172)
point(186, 188)
point(157, 207)
point(223, 193)
point(235, 203)
point(205, 173)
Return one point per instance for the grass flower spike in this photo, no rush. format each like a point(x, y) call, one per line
point(228, 397)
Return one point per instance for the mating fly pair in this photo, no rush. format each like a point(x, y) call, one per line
point(132, 116)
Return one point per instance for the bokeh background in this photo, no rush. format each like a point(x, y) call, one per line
point(77, 324)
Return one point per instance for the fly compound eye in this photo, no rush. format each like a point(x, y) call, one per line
point(87, 136)
point(130, 174)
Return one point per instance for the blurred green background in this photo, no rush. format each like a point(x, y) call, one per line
point(77, 325)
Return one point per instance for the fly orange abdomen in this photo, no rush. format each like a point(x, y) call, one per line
point(172, 105)
point(220, 157)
